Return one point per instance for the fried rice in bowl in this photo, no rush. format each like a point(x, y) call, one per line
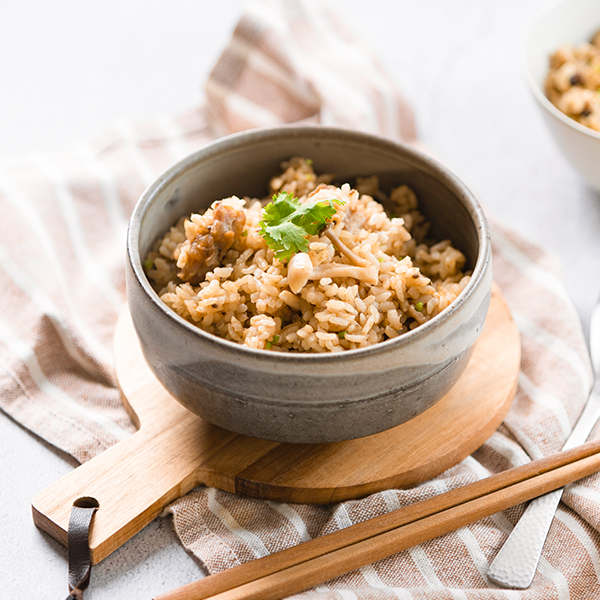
point(308, 284)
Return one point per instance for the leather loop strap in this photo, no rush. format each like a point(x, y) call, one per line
point(78, 550)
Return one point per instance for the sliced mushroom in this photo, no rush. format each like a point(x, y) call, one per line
point(300, 268)
point(343, 249)
point(368, 274)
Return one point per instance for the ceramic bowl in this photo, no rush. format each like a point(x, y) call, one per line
point(296, 397)
point(569, 21)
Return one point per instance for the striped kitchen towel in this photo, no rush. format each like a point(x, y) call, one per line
point(62, 279)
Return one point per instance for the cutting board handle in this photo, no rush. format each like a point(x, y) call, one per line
point(131, 483)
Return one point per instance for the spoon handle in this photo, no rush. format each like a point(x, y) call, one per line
point(516, 563)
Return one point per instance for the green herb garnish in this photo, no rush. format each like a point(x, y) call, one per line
point(286, 223)
point(272, 341)
point(419, 306)
point(244, 233)
point(148, 264)
point(342, 335)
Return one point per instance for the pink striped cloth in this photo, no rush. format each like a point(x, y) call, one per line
point(62, 278)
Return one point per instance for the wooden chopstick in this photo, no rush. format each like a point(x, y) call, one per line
point(311, 563)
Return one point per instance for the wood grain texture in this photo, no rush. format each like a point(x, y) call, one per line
point(174, 450)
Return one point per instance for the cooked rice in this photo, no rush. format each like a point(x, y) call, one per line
point(389, 282)
point(573, 82)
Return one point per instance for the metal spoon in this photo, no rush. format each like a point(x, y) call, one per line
point(516, 563)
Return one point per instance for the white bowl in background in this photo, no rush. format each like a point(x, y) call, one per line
point(568, 21)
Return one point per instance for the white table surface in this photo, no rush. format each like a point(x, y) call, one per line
point(69, 68)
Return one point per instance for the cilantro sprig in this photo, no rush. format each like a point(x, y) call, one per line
point(286, 223)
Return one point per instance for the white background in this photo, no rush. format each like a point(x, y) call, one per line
point(68, 68)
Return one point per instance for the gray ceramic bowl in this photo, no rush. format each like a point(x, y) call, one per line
point(307, 397)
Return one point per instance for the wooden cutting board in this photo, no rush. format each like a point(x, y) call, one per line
point(174, 450)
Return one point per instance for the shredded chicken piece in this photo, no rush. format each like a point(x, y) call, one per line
point(354, 220)
point(204, 252)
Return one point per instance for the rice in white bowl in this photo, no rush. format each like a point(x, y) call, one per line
point(573, 82)
point(370, 277)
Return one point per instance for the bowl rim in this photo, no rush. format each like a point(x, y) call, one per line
point(534, 87)
point(225, 144)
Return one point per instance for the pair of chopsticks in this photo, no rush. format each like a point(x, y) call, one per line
point(312, 563)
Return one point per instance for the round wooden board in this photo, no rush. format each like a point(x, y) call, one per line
point(400, 457)
point(174, 450)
